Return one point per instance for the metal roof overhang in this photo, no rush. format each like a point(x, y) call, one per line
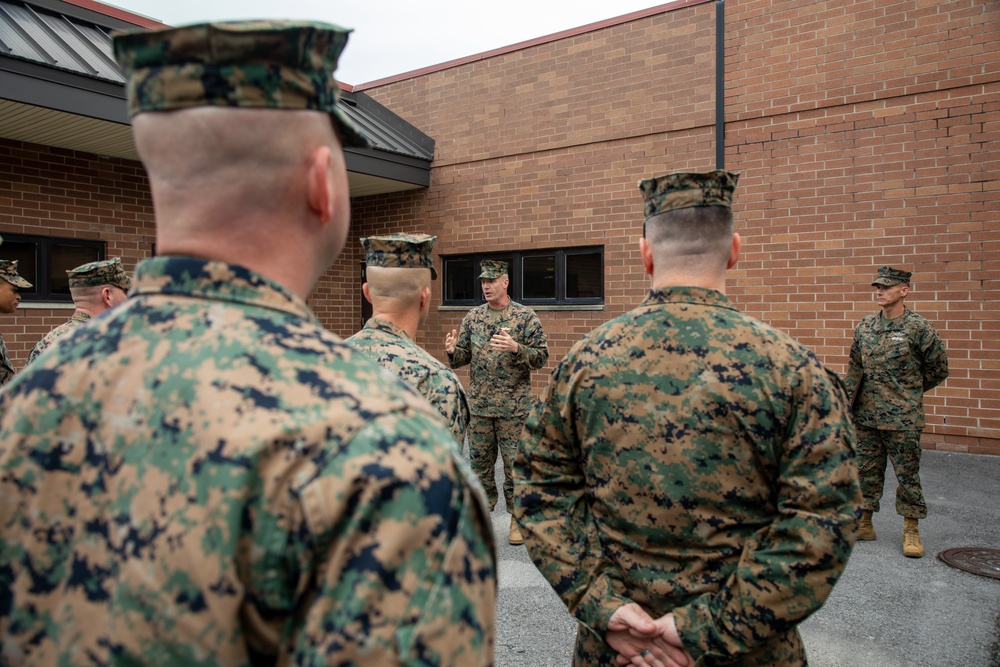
point(44, 103)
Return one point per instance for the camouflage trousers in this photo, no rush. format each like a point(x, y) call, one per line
point(487, 435)
point(783, 650)
point(902, 448)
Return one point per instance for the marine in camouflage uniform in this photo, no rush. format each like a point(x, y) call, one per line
point(9, 300)
point(499, 379)
point(96, 287)
point(402, 300)
point(691, 460)
point(896, 357)
point(205, 476)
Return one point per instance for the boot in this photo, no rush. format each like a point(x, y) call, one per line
point(866, 531)
point(912, 548)
point(515, 537)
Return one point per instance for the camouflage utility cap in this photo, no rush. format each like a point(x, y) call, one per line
point(104, 272)
point(492, 269)
point(401, 251)
point(684, 190)
point(888, 276)
point(248, 64)
point(8, 271)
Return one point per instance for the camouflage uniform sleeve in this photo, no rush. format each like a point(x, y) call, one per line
point(6, 367)
point(934, 359)
point(533, 352)
point(463, 346)
point(396, 559)
point(549, 500)
point(855, 371)
point(787, 570)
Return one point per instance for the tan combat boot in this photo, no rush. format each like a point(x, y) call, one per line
point(912, 548)
point(515, 537)
point(866, 531)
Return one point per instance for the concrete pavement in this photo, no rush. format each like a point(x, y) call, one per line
point(886, 611)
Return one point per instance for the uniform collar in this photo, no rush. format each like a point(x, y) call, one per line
point(693, 295)
point(217, 281)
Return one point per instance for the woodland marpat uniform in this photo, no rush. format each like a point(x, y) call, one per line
point(693, 460)
point(390, 347)
point(76, 320)
point(893, 363)
point(500, 382)
point(207, 452)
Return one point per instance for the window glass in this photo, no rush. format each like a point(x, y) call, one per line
point(539, 272)
point(65, 257)
point(584, 276)
point(461, 283)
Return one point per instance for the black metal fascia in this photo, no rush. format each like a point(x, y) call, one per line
point(83, 14)
point(61, 90)
point(388, 165)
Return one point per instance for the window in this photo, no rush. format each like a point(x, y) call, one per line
point(567, 277)
point(44, 260)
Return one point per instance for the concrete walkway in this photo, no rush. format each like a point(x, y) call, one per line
point(886, 611)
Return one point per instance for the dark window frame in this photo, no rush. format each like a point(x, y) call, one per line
point(41, 290)
point(515, 271)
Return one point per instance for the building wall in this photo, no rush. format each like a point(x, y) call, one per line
point(866, 133)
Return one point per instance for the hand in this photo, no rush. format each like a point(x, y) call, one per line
point(643, 642)
point(502, 342)
point(449, 341)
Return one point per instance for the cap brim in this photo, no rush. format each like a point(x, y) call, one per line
point(350, 134)
point(18, 281)
point(885, 282)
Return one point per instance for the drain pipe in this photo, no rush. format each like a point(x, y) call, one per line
point(720, 84)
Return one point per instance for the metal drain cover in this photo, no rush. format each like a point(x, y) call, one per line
point(977, 560)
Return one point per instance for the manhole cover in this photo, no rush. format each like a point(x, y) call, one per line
point(976, 560)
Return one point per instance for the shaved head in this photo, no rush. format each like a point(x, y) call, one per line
point(397, 284)
point(698, 237)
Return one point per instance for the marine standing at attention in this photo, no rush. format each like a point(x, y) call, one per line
point(896, 357)
point(503, 341)
point(399, 269)
point(205, 475)
point(687, 483)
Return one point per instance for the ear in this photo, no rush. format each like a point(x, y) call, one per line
point(106, 296)
point(320, 186)
point(904, 291)
point(734, 251)
point(425, 299)
point(647, 256)
point(364, 288)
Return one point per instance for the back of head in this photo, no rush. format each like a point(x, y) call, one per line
point(231, 121)
point(689, 219)
point(398, 269)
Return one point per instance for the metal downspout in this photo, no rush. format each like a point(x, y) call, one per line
point(720, 84)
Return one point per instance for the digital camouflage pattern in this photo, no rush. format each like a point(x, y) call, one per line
point(491, 269)
point(903, 449)
point(500, 382)
point(103, 272)
point(6, 365)
point(888, 276)
point(893, 363)
point(684, 190)
point(8, 272)
point(248, 64)
point(57, 333)
point(391, 348)
point(401, 251)
point(691, 459)
point(204, 476)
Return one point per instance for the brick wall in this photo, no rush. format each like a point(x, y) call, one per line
point(55, 192)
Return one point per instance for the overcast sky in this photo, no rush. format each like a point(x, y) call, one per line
point(395, 36)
